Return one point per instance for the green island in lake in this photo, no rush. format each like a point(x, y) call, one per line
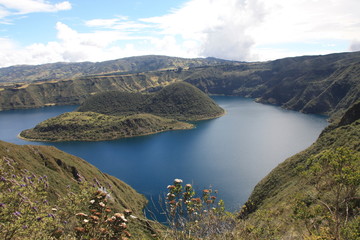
point(113, 115)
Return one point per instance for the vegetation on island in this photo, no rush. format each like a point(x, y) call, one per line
point(90, 126)
point(325, 84)
point(114, 115)
point(313, 195)
point(179, 100)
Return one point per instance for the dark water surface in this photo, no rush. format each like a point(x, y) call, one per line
point(231, 153)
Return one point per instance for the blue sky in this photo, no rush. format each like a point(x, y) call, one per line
point(43, 31)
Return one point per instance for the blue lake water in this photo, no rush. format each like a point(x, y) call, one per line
point(231, 153)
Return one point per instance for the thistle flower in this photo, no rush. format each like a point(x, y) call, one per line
point(205, 191)
point(178, 181)
point(197, 200)
point(123, 225)
point(127, 212)
point(127, 234)
point(81, 215)
point(79, 229)
point(120, 216)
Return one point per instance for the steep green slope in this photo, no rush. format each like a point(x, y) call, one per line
point(179, 100)
point(275, 196)
point(89, 126)
point(63, 171)
point(326, 84)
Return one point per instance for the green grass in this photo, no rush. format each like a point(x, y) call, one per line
point(62, 170)
point(90, 126)
point(179, 100)
point(275, 195)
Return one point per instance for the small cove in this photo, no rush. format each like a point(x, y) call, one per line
point(231, 153)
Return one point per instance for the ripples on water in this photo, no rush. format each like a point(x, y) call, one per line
point(231, 153)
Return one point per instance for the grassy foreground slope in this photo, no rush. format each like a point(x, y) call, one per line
point(90, 126)
point(63, 172)
point(179, 100)
point(273, 199)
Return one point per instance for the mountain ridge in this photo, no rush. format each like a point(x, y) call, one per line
point(325, 84)
point(65, 70)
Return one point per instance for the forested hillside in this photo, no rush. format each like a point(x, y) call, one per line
point(313, 84)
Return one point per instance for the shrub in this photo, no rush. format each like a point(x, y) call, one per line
point(332, 209)
point(25, 212)
point(24, 209)
point(196, 217)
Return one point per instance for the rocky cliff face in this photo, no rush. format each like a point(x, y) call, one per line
point(313, 84)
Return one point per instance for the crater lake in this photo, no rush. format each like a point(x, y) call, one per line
point(230, 154)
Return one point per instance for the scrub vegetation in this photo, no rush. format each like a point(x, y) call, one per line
point(114, 115)
point(315, 194)
point(90, 126)
point(325, 84)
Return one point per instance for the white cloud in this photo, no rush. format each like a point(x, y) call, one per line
point(249, 29)
point(231, 29)
point(71, 46)
point(355, 46)
point(219, 26)
point(120, 24)
point(105, 23)
point(16, 7)
point(320, 23)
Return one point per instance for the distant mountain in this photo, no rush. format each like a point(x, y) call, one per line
point(90, 126)
point(61, 71)
point(326, 84)
point(179, 100)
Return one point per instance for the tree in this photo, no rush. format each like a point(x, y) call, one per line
point(333, 206)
